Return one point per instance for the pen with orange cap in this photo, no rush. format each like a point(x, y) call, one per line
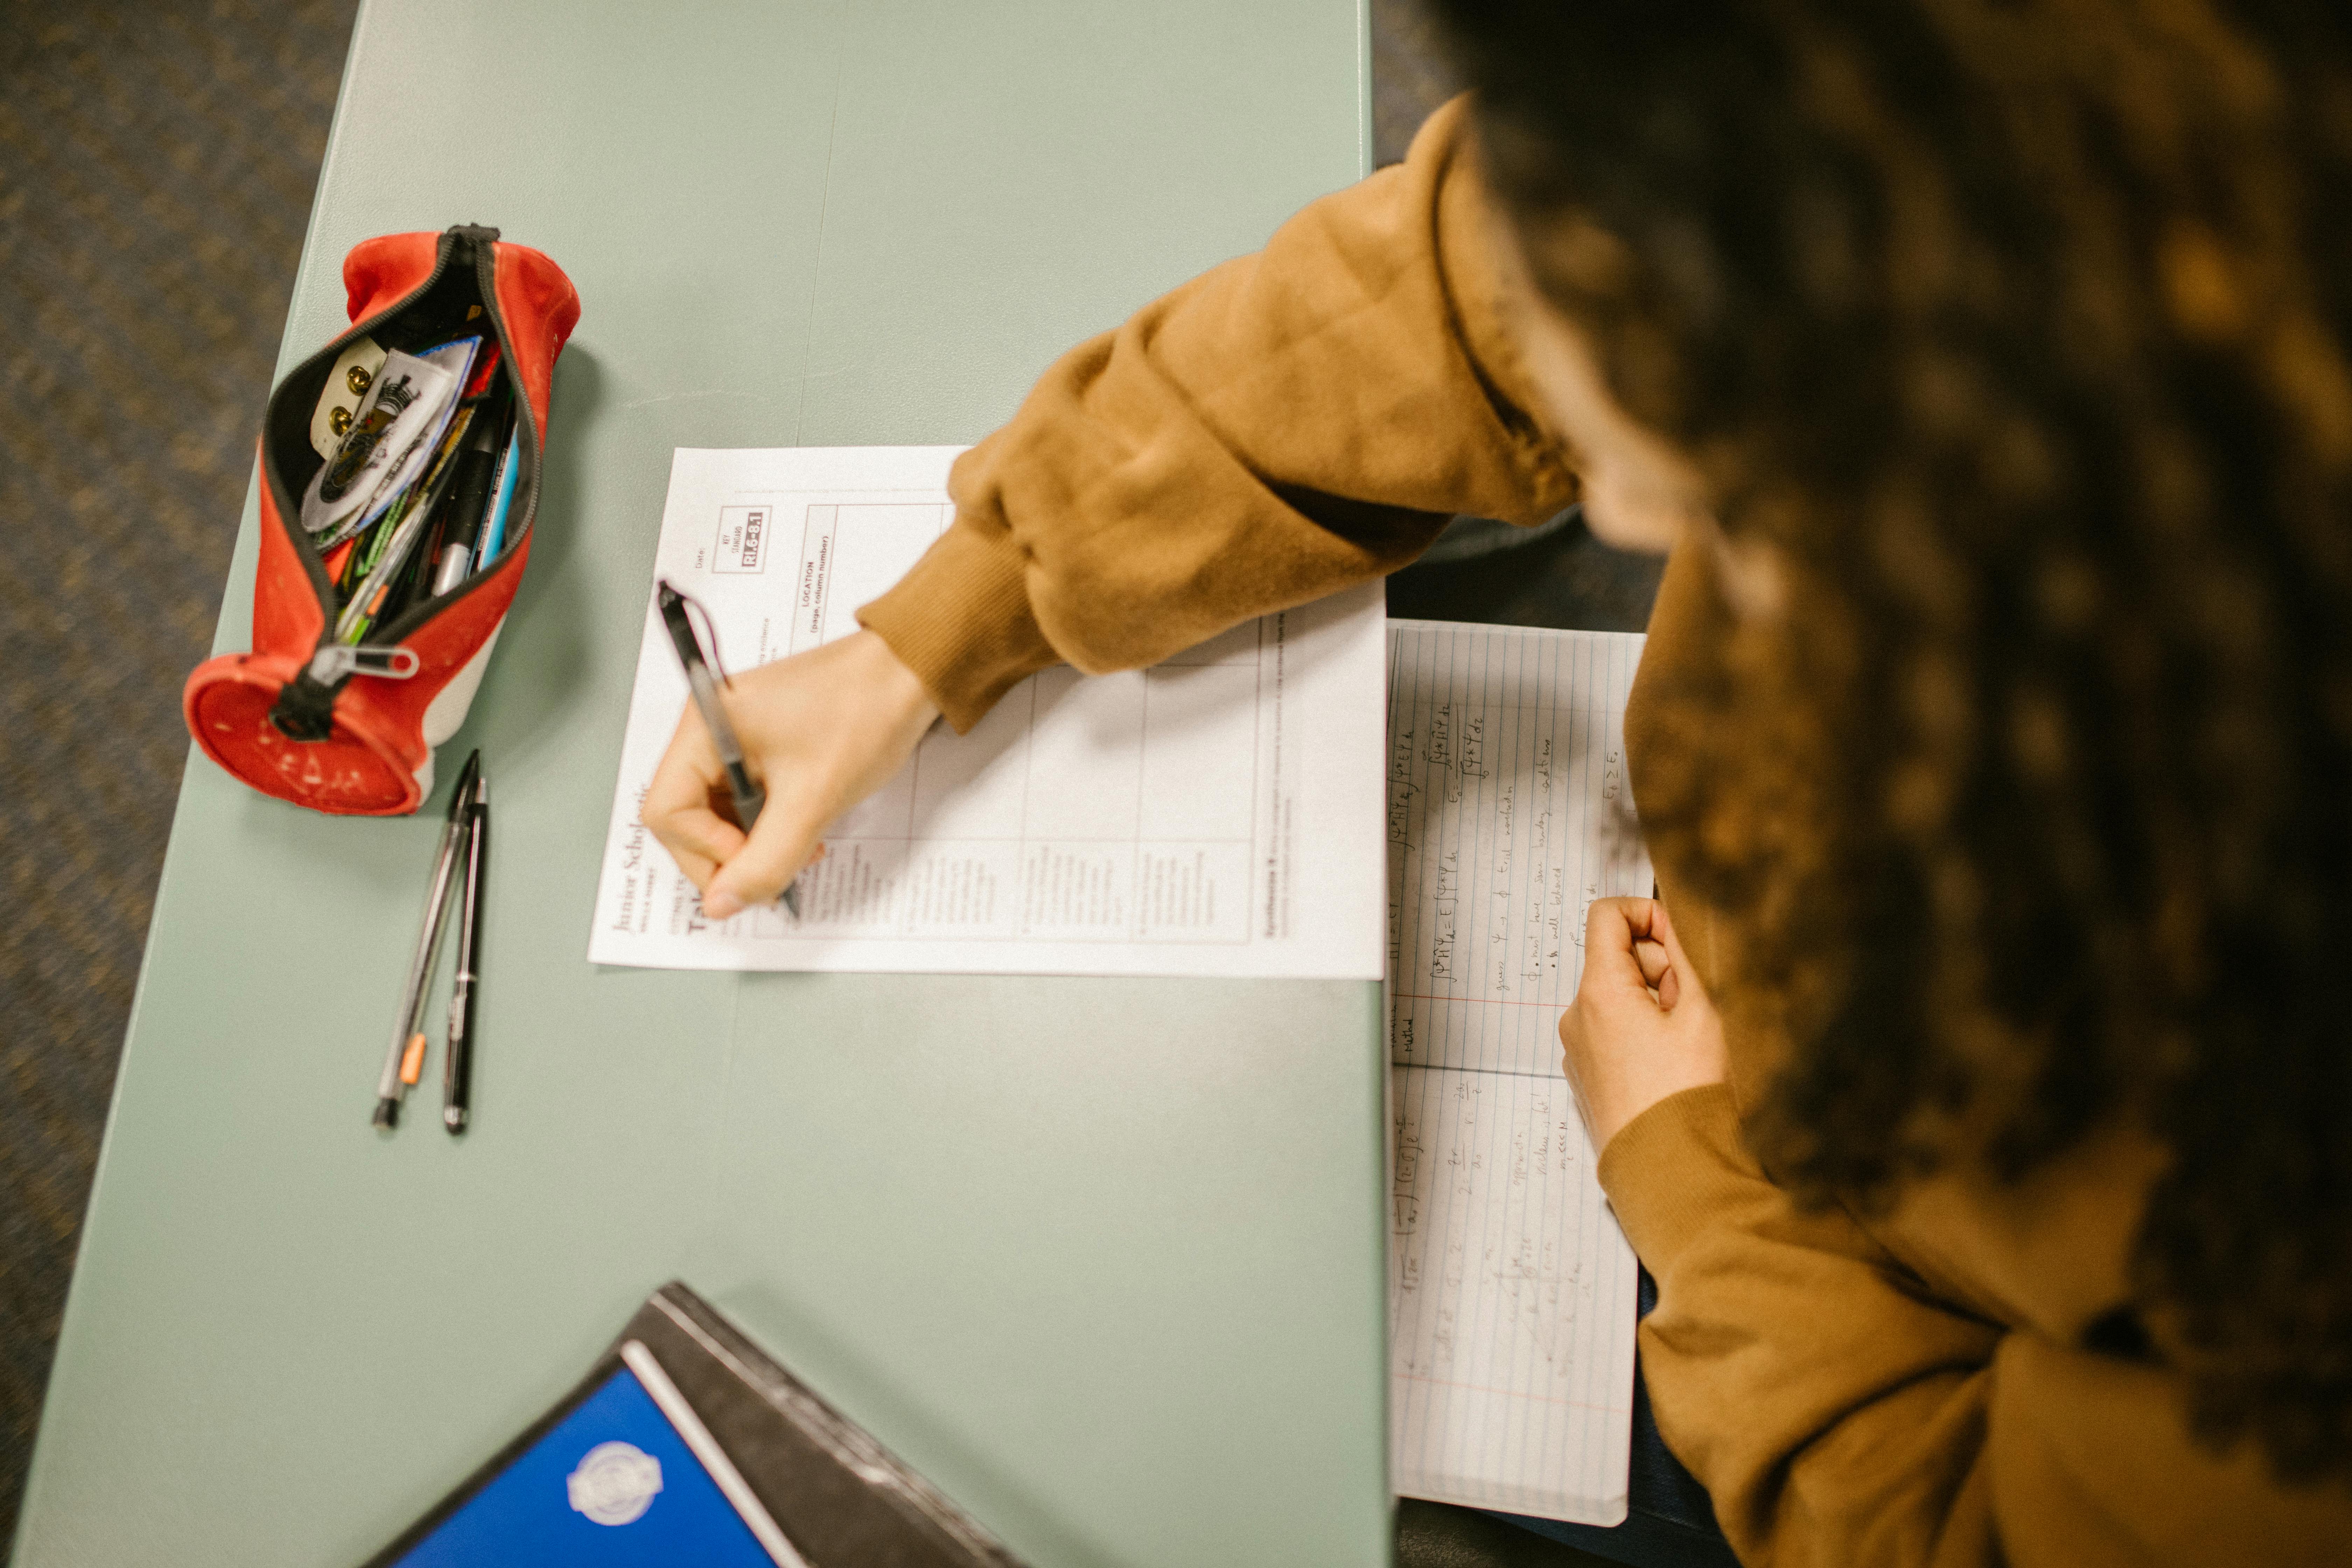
point(404, 1060)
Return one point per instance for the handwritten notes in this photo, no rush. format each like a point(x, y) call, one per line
point(1511, 1289)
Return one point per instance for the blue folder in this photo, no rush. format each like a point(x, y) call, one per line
point(612, 1486)
point(610, 1477)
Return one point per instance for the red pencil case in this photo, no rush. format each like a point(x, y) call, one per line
point(352, 728)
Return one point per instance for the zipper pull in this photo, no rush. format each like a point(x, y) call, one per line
point(336, 662)
point(305, 708)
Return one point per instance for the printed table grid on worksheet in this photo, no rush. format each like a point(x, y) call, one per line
point(1161, 856)
point(1209, 815)
point(1139, 858)
point(1511, 1288)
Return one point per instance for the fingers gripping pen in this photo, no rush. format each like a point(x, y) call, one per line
point(749, 797)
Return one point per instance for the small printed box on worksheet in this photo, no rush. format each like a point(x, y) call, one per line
point(400, 469)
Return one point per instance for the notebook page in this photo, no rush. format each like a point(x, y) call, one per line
point(1511, 1288)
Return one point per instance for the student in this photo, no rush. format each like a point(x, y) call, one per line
point(1984, 1109)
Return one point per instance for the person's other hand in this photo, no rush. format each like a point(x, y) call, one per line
point(1641, 1027)
point(821, 730)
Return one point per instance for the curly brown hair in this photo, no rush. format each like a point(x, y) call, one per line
point(2016, 329)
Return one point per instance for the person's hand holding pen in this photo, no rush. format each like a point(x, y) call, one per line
point(820, 730)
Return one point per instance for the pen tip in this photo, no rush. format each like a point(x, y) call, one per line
point(454, 1120)
point(387, 1113)
point(462, 791)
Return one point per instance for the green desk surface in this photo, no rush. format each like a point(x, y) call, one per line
point(1102, 1257)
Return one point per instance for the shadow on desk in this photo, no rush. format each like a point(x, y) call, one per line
point(1434, 1535)
point(1556, 574)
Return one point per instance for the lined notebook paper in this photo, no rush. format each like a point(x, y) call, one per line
point(1511, 1286)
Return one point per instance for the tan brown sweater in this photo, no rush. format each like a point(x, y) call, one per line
point(1915, 1392)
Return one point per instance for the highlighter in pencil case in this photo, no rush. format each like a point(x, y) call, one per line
point(307, 716)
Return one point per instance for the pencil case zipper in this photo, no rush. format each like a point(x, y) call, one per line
point(305, 708)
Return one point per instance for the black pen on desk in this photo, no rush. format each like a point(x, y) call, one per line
point(405, 1058)
point(749, 798)
point(457, 1060)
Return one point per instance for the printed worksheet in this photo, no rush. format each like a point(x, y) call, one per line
point(1511, 1286)
point(1215, 814)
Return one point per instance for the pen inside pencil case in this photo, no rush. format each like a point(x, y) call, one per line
point(492, 543)
point(453, 556)
point(367, 604)
point(382, 545)
point(423, 546)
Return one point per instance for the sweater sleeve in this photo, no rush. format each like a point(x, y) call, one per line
point(1837, 1413)
point(1282, 426)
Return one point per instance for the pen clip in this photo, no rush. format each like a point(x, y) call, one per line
point(338, 660)
point(706, 635)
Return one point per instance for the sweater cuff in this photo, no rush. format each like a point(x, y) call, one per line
point(1672, 1170)
point(960, 621)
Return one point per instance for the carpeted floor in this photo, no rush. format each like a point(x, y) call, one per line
point(156, 164)
point(157, 159)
